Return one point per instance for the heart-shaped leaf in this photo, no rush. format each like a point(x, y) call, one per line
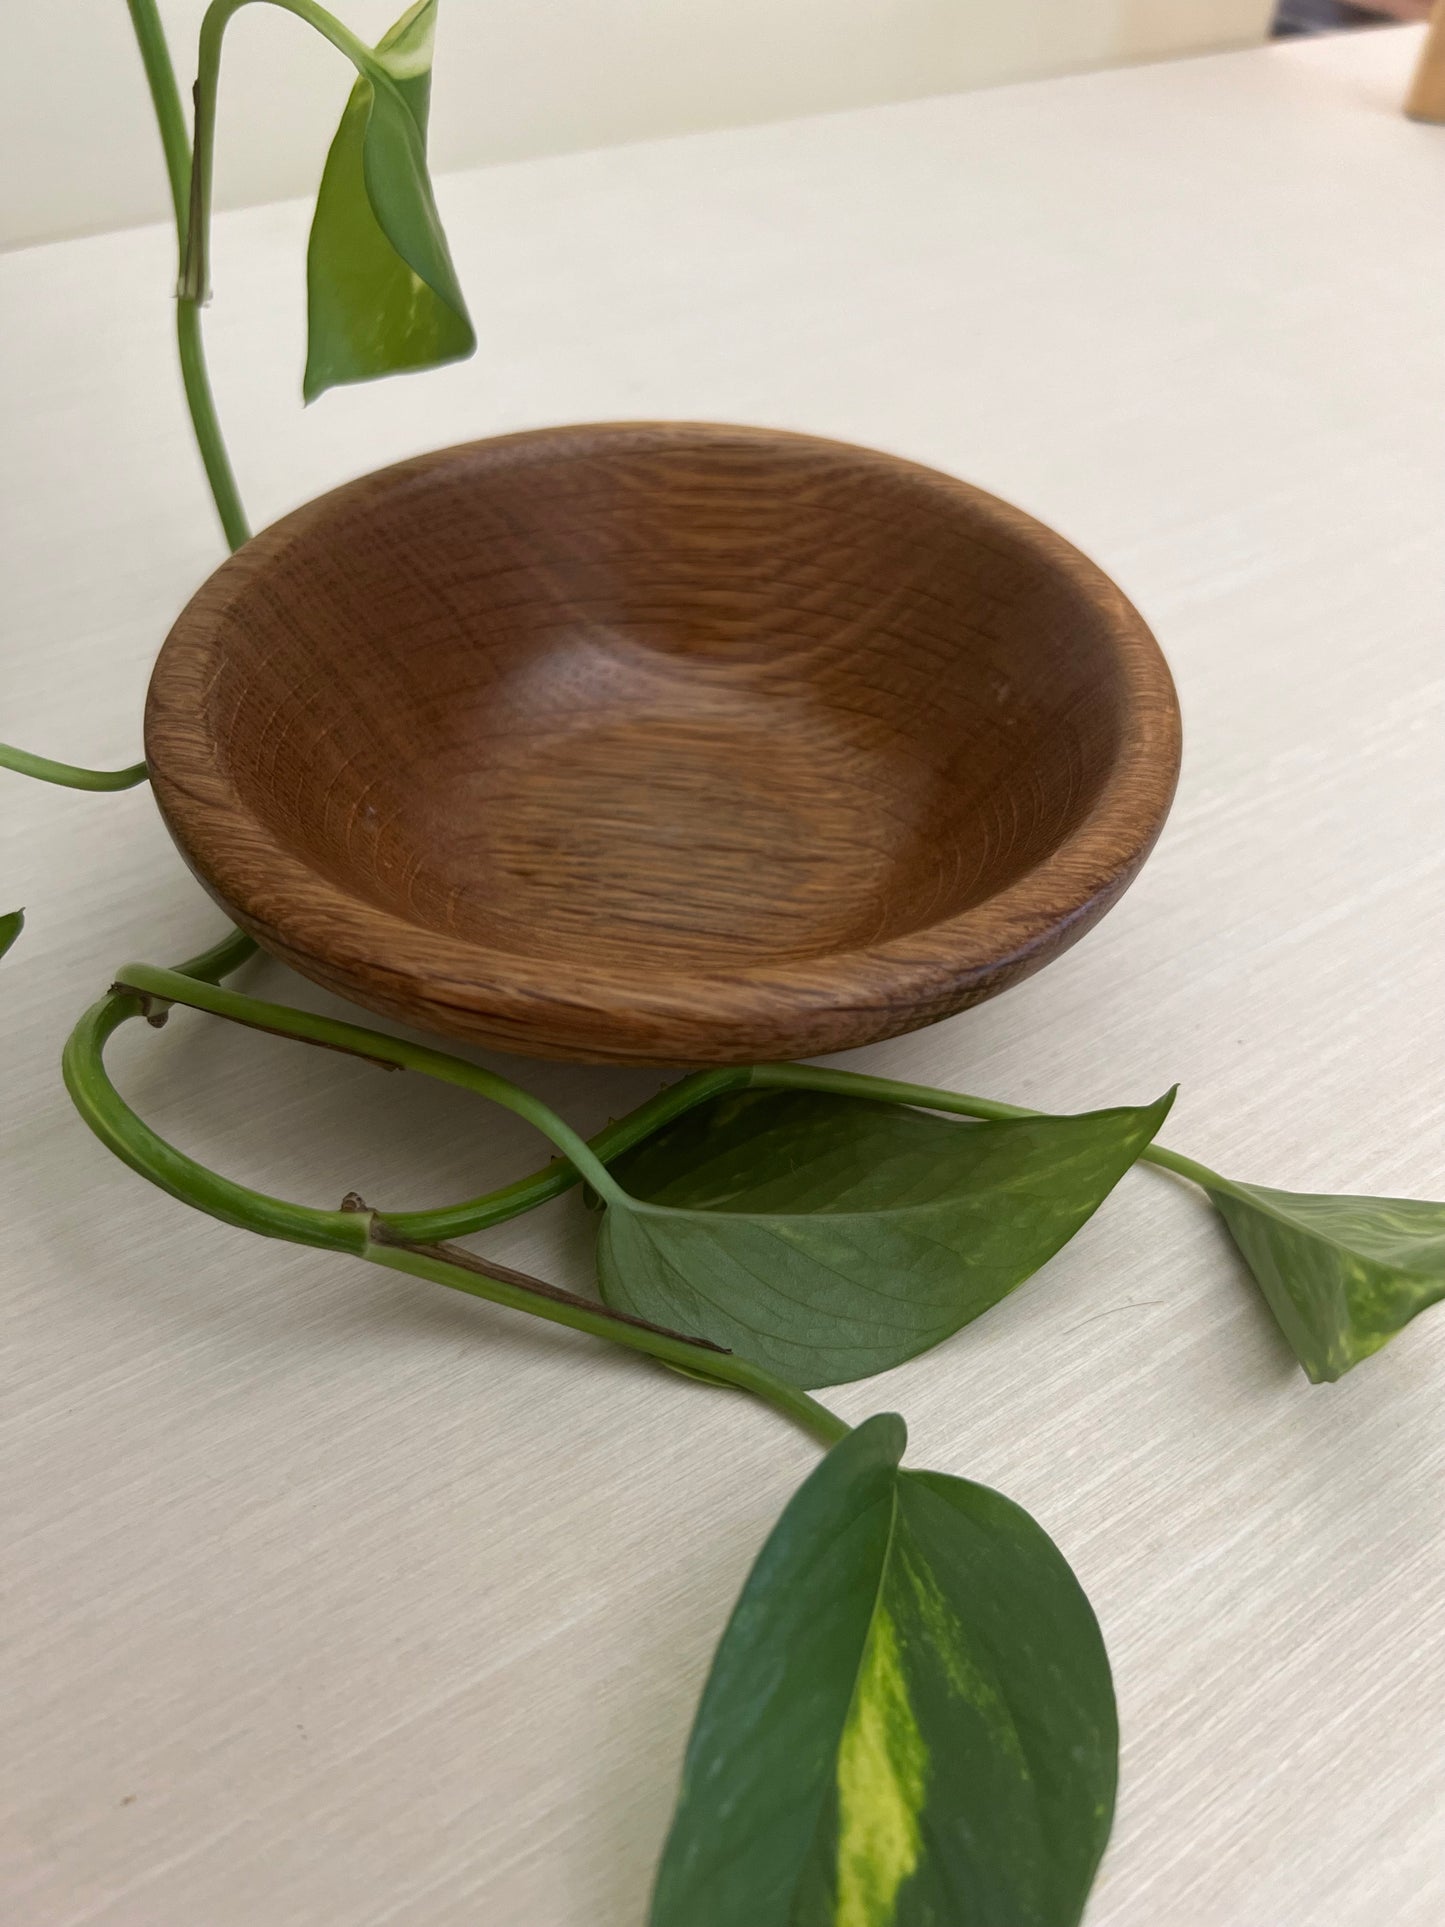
point(909, 1722)
point(1342, 1275)
point(382, 293)
point(832, 1237)
point(10, 927)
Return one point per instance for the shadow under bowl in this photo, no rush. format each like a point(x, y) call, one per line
point(662, 743)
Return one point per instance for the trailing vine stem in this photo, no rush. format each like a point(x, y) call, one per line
point(189, 171)
point(161, 987)
point(581, 1160)
point(189, 175)
point(354, 1229)
point(417, 1242)
point(70, 776)
point(196, 237)
point(175, 143)
point(702, 1087)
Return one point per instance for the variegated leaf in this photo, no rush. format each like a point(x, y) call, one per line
point(382, 294)
point(1342, 1275)
point(909, 1722)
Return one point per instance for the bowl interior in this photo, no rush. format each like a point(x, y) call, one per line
point(670, 701)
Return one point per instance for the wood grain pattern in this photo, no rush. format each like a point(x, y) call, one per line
point(664, 743)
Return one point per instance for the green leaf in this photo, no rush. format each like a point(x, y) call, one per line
point(909, 1722)
point(1342, 1275)
point(381, 289)
point(10, 927)
point(828, 1238)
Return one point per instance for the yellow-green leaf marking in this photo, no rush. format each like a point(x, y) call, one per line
point(909, 1721)
point(1341, 1275)
point(382, 293)
point(882, 1768)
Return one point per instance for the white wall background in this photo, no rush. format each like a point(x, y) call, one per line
point(518, 77)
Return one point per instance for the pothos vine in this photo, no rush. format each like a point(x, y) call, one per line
point(910, 1709)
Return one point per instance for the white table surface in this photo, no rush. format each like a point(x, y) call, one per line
point(340, 1601)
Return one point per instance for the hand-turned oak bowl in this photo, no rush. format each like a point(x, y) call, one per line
point(662, 743)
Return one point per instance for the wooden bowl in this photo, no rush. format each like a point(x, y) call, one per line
point(661, 743)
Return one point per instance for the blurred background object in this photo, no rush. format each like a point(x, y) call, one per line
point(77, 149)
point(1331, 16)
point(1427, 91)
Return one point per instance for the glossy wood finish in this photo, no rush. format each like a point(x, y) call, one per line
point(662, 743)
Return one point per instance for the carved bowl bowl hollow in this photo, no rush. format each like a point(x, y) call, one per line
point(662, 743)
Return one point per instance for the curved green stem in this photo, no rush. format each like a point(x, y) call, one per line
point(70, 775)
point(853, 1084)
point(357, 1231)
point(221, 477)
point(553, 1180)
point(525, 1194)
point(132, 1140)
point(165, 97)
point(195, 263)
point(171, 120)
point(144, 1150)
point(171, 986)
point(1175, 1161)
point(883, 1090)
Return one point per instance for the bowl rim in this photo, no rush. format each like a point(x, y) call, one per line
point(790, 1007)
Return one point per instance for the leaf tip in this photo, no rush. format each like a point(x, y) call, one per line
point(888, 1430)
